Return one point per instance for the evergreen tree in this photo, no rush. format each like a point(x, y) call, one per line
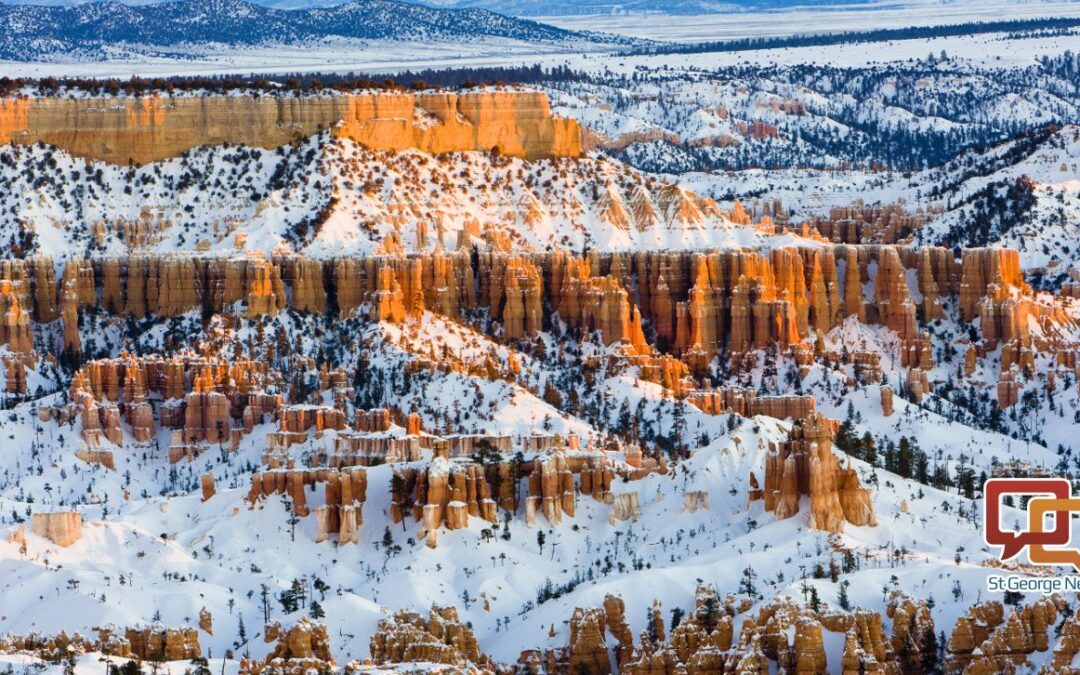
point(842, 598)
point(869, 449)
point(676, 619)
point(930, 651)
point(132, 667)
point(747, 584)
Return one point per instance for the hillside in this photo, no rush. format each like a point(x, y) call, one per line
point(901, 115)
point(330, 197)
point(1020, 194)
point(311, 380)
point(95, 30)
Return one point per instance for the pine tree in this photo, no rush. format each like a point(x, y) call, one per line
point(299, 591)
point(132, 667)
point(321, 586)
point(869, 449)
point(903, 457)
point(264, 596)
point(676, 619)
point(708, 615)
point(747, 584)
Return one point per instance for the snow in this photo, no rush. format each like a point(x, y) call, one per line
point(343, 55)
point(807, 19)
point(229, 201)
point(146, 521)
point(151, 545)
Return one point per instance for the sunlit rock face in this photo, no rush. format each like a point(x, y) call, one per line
point(151, 128)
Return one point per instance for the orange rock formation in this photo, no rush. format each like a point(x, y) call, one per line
point(151, 128)
point(806, 465)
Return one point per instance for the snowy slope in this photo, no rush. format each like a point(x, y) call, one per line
point(146, 521)
point(32, 32)
point(1021, 194)
point(329, 198)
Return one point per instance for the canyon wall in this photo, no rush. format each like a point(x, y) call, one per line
point(671, 312)
point(696, 304)
point(139, 130)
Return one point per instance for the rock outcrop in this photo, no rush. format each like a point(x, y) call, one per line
point(912, 630)
point(806, 465)
point(971, 630)
point(302, 648)
point(62, 528)
point(993, 272)
point(341, 512)
point(14, 320)
point(155, 643)
point(202, 399)
point(207, 485)
point(744, 401)
point(588, 652)
point(151, 128)
point(696, 304)
point(408, 637)
point(1008, 645)
point(444, 494)
point(781, 636)
point(886, 401)
point(551, 490)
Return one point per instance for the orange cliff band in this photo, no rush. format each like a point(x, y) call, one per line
point(146, 129)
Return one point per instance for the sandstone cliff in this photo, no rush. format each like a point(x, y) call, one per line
point(146, 129)
point(62, 528)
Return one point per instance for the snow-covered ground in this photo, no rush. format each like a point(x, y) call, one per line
point(230, 200)
point(387, 57)
point(808, 19)
point(327, 56)
point(151, 547)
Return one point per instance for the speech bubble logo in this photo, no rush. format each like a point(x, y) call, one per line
point(1037, 510)
point(1012, 542)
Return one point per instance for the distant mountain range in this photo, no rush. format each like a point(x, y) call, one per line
point(507, 6)
point(89, 30)
point(567, 7)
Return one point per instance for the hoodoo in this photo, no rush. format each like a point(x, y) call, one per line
point(634, 367)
